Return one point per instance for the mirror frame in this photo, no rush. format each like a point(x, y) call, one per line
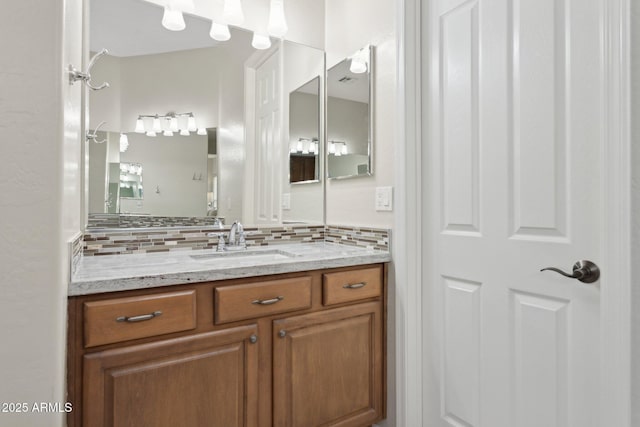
point(371, 113)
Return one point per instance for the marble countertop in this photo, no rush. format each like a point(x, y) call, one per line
point(110, 273)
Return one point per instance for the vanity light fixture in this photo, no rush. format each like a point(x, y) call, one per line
point(260, 41)
point(219, 32)
point(338, 148)
point(172, 19)
point(305, 146)
point(232, 12)
point(360, 61)
point(277, 21)
point(168, 124)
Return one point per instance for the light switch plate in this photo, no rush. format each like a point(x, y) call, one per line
point(286, 201)
point(384, 198)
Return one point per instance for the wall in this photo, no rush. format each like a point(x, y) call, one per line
point(40, 127)
point(635, 209)
point(350, 26)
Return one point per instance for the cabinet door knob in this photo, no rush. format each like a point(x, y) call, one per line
point(282, 333)
point(253, 339)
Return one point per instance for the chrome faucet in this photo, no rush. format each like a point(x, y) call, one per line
point(236, 237)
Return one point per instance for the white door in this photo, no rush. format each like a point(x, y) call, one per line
point(518, 90)
point(268, 168)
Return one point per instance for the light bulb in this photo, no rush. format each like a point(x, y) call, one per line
point(151, 133)
point(173, 19)
point(191, 124)
point(186, 6)
point(260, 41)
point(202, 131)
point(124, 142)
point(139, 126)
point(232, 12)
point(332, 148)
point(358, 65)
point(167, 133)
point(305, 147)
point(157, 127)
point(184, 132)
point(344, 148)
point(338, 153)
point(219, 32)
point(277, 21)
point(314, 147)
point(173, 124)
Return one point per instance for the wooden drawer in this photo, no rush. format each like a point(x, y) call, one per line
point(241, 302)
point(123, 319)
point(352, 285)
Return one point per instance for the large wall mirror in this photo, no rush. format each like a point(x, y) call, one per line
point(304, 133)
point(195, 154)
point(350, 116)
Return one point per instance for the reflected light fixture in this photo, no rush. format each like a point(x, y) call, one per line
point(168, 124)
point(124, 142)
point(232, 12)
point(360, 61)
point(277, 21)
point(219, 32)
point(172, 19)
point(261, 41)
point(338, 148)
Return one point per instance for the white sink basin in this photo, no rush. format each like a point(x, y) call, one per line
point(248, 256)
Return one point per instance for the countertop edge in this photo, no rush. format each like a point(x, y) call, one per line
point(90, 287)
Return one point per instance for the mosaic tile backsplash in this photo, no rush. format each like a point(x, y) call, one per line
point(120, 242)
point(146, 221)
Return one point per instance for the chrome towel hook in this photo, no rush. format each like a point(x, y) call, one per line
point(93, 136)
point(75, 75)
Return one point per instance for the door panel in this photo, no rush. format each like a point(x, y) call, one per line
point(206, 379)
point(517, 116)
point(268, 167)
point(348, 380)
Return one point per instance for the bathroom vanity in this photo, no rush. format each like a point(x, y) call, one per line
point(305, 347)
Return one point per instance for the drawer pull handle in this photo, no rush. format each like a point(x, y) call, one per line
point(267, 301)
point(140, 318)
point(355, 286)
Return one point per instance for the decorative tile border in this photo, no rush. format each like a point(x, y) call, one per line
point(119, 242)
point(366, 237)
point(96, 221)
point(114, 242)
point(76, 247)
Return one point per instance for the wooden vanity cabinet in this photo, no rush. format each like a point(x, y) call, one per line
point(314, 357)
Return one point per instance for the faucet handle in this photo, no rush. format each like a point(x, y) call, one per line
point(221, 244)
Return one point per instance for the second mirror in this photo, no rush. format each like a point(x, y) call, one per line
point(349, 116)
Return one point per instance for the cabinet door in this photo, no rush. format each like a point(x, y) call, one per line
point(209, 379)
point(328, 368)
